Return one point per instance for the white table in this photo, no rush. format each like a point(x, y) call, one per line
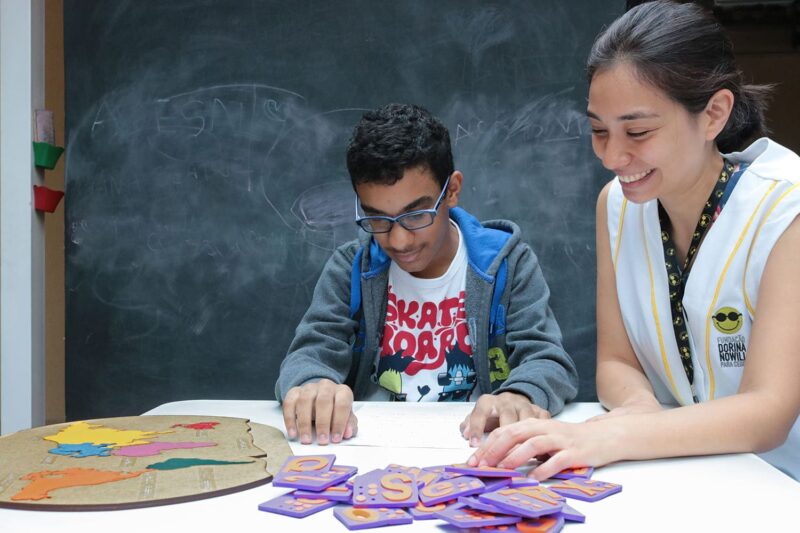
point(723, 493)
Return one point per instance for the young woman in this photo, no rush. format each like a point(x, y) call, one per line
point(698, 290)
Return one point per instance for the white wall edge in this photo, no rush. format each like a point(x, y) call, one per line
point(22, 368)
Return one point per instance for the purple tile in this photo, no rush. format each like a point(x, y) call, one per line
point(289, 505)
point(337, 493)
point(449, 489)
point(424, 477)
point(423, 512)
point(583, 472)
point(523, 482)
point(572, 515)
point(482, 471)
point(545, 524)
point(381, 488)
point(476, 503)
point(314, 482)
point(303, 465)
point(465, 517)
point(588, 490)
point(530, 501)
point(440, 469)
point(492, 484)
point(361, 518)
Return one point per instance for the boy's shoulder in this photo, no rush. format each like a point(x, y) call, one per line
point(489, 242)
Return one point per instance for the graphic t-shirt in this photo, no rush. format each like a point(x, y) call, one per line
point(426, 353)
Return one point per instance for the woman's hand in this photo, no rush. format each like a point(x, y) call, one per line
point(568, 445)
point(632, 408)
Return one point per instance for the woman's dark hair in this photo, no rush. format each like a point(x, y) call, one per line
point(683, 51)
point(391, 139)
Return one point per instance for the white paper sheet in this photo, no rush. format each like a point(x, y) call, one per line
point(414, 426)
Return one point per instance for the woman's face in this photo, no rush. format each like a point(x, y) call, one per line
point(652, 143)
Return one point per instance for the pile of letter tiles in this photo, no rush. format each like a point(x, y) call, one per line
point(495, 500)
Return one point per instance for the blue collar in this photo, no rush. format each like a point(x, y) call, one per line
point(483, 245)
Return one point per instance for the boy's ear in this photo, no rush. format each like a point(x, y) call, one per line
point(454, 189)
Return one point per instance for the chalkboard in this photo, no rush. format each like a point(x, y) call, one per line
point(206, 183)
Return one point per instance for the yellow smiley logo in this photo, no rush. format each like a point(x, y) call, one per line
point(727, 320)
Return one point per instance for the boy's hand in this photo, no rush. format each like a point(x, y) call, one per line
point(329, 405)
point(492, 411)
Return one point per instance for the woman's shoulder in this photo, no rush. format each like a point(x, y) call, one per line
point(769, 160)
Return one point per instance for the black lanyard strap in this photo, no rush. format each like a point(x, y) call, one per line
point(677, 276)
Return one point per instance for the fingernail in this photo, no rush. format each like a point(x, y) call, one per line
point(483, 463)
point(305, 438)
point(337, 437)
point(501, 465)
point(322, 439)
point(472, 461)
point(474, 442)
point(292, 433)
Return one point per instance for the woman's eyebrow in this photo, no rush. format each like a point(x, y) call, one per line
point(637, 115)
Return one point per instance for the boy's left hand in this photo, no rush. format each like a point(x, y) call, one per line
point(492, 411)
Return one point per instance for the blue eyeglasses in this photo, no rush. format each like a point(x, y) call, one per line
point(412, 221)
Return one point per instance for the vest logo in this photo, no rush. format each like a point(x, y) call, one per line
point(727, 320)
point(732, 347)
point(732, 350)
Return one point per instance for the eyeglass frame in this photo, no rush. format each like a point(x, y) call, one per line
point(398, 219)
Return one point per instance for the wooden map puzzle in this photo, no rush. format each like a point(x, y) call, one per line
point(138, 461)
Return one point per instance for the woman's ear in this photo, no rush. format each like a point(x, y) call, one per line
point(717, 111)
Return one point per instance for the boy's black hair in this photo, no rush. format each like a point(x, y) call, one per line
point(391, 139)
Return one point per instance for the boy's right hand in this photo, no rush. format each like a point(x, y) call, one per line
point(327, 404)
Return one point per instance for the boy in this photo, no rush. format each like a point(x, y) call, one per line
point(427, 307)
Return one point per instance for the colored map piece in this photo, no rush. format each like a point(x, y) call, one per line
point(464, 517)
point(304, 465)
point(44, 482)
point(424, 512)
point(290, 505)
point(316, 482)
point(381, 488)
point(197, 425)
point(449, 489)
point(86, 449)
point(84, 432)
point(584, 472)
point(184, 462)
point(155, 448)
point(337, 493)
point(545, 524)
point(530, 501)
point(588, 490)
point(482, 471)
point(571, 514)
point(360, 518)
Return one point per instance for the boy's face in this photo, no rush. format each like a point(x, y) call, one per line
point(426, 252)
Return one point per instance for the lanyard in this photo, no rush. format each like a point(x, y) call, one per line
point(677, 276)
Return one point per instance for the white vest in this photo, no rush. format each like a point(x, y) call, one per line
point(723, 283)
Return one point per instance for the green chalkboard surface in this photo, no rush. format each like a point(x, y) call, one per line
point(206, 183)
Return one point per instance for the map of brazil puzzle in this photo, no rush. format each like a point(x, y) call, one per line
point(138, 461)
